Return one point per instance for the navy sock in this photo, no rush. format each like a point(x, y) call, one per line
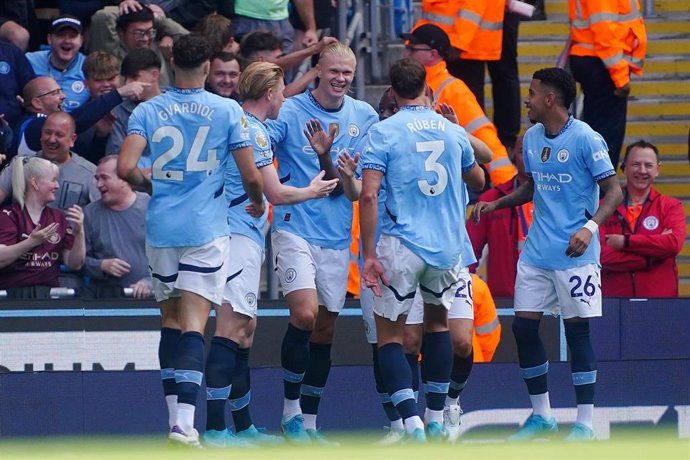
point(294, 357)
point(384, 397)
point(460, 374)
point(220, 364)
point(413, 363)
point(438, 356)
point(583, 362)
point(167, 349)
point(240, 392)
point(189, 367)
point(531, 354)
point(395, 372)
point(315, 377)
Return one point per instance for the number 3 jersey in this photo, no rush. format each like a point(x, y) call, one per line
point(422, 157)
point(189, 134)
point(565, 169)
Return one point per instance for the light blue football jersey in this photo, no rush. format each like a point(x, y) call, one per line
point(240, 221)
point(189, 134)
point(422, 156)
point(565, 170)
point(325, 222)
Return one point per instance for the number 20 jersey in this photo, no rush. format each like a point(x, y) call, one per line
point(189, 134)
point(422, 156)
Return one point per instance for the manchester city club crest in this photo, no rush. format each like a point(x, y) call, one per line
point(563, 156)
point(650, 223)
point(545, 154)
point(353, 130)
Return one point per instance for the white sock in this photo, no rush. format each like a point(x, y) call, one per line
point(451, 401)
point(185, 417)
point(541, 405)
point(585, 414)
point(309, 421)
point(171, 402)
point(397, 425)
point(412, 423)
point(291, 408)
point(433, 416)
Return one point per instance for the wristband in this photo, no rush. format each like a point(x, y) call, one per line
point(591, 226)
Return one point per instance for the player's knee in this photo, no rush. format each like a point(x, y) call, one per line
point(303, 319)
point(412, 343)
point(462, 346)
point(576, 331)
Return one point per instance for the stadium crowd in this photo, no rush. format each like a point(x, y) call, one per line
point(131, 115)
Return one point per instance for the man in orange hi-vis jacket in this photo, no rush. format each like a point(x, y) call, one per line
point(430, 45)
point(487, 329)
point(608, 42)
point(486, 35)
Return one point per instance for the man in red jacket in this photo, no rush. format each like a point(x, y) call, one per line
point(504, 230)
point(640, 241)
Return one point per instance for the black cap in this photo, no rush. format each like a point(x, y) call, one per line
point(434, 37)
point(63, 22)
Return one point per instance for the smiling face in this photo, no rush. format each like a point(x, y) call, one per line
point(64, 44)
point(223, 77)
point(45, 186)
point(336, 74)
point(536, 101)
point(641, 168)
point(114, 190)
point(57, 138)
point(100, 86)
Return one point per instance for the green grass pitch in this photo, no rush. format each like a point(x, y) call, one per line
point(639, 444)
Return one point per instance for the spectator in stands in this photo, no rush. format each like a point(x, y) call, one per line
point(114, 231)
point(43, 96)
point(63, 61)
point(218, 31)
point(76, 179)
point(15, 73)
point(263, 45)
point(270, 15)
point(102, 71)
point(135, 29)
point(224, 75)
point(642, 238)
point(608, 43)
point(141, 65)
point(504, 231)
point(16, 19)
point(35, 239)
point(430, 45)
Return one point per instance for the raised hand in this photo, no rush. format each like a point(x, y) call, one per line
point(448, 112)
point(347, 164)
point(319, 140)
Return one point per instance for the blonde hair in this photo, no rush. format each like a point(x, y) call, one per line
point(258, 78)
point(338, 49)
point(23, 170)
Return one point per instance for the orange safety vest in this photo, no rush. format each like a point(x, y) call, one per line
point(613, 31)
point(487, 329)
point(353, 276)
point(455, 93)
point(475, 27)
